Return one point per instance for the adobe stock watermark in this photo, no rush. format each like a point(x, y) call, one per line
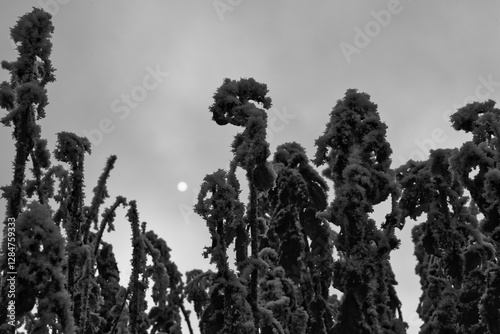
point(11, 271)
point(123, 105)
point(187, 211)
point(223, 6)
point(372, 29)
point(52, 6)
point(277, 120)
point(482, 92)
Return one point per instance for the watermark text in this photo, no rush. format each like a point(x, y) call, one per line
point(11, 271)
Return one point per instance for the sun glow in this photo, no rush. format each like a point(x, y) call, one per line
point(182, 186)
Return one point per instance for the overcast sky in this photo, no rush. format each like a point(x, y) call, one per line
point(137, 77)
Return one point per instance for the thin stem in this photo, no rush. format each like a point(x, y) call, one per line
point(121, 311)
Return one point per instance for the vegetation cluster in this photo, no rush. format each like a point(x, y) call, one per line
point(291, 244)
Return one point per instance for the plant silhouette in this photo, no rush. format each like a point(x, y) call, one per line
point(276, 257)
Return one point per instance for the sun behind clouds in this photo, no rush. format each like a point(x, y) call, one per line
point(182, 186)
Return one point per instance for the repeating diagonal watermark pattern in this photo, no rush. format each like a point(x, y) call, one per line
point(187, 211)
point(52, 6)
point(482, 92)
point(373, 28)
point(277, 121)
point(127, 101)
point(223, 6)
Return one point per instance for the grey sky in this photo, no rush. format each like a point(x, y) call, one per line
point(418, 64)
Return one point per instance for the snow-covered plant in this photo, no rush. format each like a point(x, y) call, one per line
point(169, 299)
point(227, 310)
point(279, 306)
point(41, 283)
point(358, 161)
point(235, 103)
point(25, 98)
point(69, 284)
point(303, 241)
point(138, 283)
point(458, 251)
point(109, 281)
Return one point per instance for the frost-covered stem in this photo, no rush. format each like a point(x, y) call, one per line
point(134, 279)
point(100, 194)
point(186, 316)
point(74, 206)
point(84, 309)
point(38, 177)
point(117, 320)
point(137, 286)
point(76, 197)
point(254, 233)
point(109, 217)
